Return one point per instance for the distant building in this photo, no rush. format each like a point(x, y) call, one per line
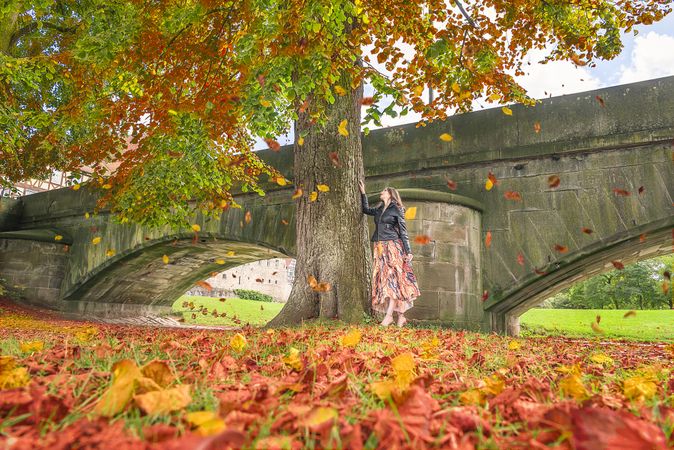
point(273, 277)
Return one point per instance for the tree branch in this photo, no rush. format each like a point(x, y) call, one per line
point(33, 26)
point(465, 14)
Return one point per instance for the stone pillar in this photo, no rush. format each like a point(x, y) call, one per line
point(448, 268)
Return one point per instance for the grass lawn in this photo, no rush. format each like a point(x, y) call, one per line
point(653, 325)
point(247, 311)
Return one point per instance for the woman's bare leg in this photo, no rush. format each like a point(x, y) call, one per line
point(388, 318)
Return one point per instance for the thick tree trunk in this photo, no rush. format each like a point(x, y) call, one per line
point(332, 237)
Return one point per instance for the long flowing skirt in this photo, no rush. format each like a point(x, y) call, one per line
point(392, 277)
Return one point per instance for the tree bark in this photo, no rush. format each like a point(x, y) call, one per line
point(332, 237)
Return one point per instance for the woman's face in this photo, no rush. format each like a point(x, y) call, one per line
point(384, 195)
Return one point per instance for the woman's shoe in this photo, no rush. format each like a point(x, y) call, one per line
point(388, 320)
point(401, 321)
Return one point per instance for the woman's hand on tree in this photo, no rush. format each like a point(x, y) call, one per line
point(361, 186)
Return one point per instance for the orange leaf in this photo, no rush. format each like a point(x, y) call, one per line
point(204, 285)
point(451, 185)
point(520, 259)
point(537, 127)
point(618, 265)
point(553, 181)
point(621, 192)
point(630, 313)
point(422, 239)
point(366, 101)
point(512, 195)
point(273, 145)
point(487, 239)
point(297, 194)
point(247, 217)
point(561, 248)
point(587, 230)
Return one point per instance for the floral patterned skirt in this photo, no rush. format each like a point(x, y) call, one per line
point(392, 277)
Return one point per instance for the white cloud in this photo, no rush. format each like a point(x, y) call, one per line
point(555, 77)
point(651, 57)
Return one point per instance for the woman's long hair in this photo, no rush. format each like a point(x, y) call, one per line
point(395, 198)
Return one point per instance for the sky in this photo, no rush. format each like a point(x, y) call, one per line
point(648, 55)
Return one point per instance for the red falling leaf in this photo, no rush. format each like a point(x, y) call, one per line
point(538, 271)
point(334, 158)
point(485, 296)
point(587, 230)
point(621, 192)
point(512, 195)
point(451, 185)
point(367, 101)
point(273, 145)
point(641, 190)
point(492, 178)
point(487, 239)
point(553, 181)
point(204, 285)
point(601, 101)
point(537, 127)
point(561, 248)
point(598, 318)
point(520, 259)
point(618, 265)
point(422, 239)
point(642, 237)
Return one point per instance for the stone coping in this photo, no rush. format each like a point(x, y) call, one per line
point(427, 195)
point(40, 235)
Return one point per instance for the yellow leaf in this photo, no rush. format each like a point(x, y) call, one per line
point(572, 386)
point(172, 112)
point(639, 388)
point(471, 397)
point(281, 181)
point(125, 374)
point(601, 358)
point(342, 128)
point(265, 103)
point(196, 228)
point(107, 186)
point(207, 422)
point(514, 345)
point(419, 90)
point(596, 328)
point(58, 237)
point(404, 369)
point(11, 376)
point(411, 213)
point(76, 187)
point(159, 372)
point(383, 389)
point(297, 194)
point(198, 418)
point(220, 261)
point(488, 184)
point(319, 416)
point(86, 215)
point(323, 187)
point(455, 87)
point(165, 400)
point(507, 111)
point(352, 338)
point(313, 196)
point(494, 385)
point(446, 137)
point(238, 342)
point(430, 347)
point(165, 259)
point(230, 253)
point(300, 141)
point(293, 359)
point(32, 346)
point(96, 240)
point(494, 97)
point(110, 253)
point(340, 91)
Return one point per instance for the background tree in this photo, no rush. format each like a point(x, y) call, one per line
point(175, 91)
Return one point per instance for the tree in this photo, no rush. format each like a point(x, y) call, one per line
point(175, 91)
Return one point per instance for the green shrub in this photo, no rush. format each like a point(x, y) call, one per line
point(249, 294)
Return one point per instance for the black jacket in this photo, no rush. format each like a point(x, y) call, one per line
point(389, 224)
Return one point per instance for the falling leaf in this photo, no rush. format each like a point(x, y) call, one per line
point(507, 111)
point(58, 237)
point(596, 328)
point(293, 359)
point(247, 217)
point(487, 239)
point(618, 265)
point(238, 342)
point(561, 248)
point(165, 259)
point(86, 215)
point(367, 101)
point(297, 194)
point(334, 158)
point(164, 401)
point(642, 237)
point(96, 240)
point(630, 313)
point(352, 338)
point(520, 259)
point(323, 187)
point(451, 185)
point(537, 127)
point(621, 192)
point(587, 230)
point(600, 100)
point(642, 190)
point(300, 141)
point(342, 128)
point(273, 145)
point(281, 181)
point(110, 253)
point(512, 195)
point(446, 137)
point(313, 196)
point(204, 285)
point(196, 228)
point(422, 239)
point(485, 296)
point(107, 186)
point(284, 222)
point(411, 213)
point(488, 185)
point(231, 253)
point(538, 271)
point(553, 181)
point(76, 187)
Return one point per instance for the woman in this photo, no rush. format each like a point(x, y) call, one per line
point(394, 286)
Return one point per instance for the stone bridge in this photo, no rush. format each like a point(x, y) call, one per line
point(601, 152)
